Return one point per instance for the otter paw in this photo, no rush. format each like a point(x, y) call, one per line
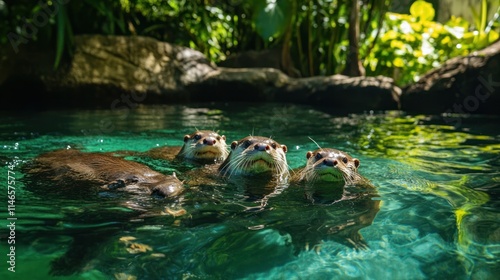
point(116, 185)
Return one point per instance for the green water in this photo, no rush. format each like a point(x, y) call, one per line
point(439, 188)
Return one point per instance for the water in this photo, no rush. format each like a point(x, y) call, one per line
point(439, 189)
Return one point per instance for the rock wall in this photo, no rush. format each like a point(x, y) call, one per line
point(106, 68)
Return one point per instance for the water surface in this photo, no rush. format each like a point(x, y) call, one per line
point(438, 188)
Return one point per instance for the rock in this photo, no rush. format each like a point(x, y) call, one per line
point(336, 93)
point(106, 71)
point(469, 84)
point(267, 58)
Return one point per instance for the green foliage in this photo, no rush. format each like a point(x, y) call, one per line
point(216, 29)
point(410, 45)
point(317, 30)
point(51, 24)
point(313, 34)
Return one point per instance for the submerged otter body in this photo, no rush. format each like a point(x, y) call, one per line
point(75, 174)
point(74, 168)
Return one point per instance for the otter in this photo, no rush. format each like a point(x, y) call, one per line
point(254, 155)
point(331, 165)
point(204, 145)
point(74, 174)
point(257, 165)
point(70, 168)
point(349, 201)
point(201, 146)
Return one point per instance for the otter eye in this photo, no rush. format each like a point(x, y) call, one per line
point(247, 143)
point(234, 144)
point(218, 138)
point(318, 156)
point(274, 145)
point(197, 137)
point(344, 160)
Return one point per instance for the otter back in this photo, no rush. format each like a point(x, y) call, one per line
point(72, 168)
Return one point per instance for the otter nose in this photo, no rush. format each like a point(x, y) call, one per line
point(330, 162)
point(261, 147)
point(209, 141)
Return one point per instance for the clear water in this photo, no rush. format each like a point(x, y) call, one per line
point(439, 188)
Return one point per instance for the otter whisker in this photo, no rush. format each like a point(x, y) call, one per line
point(188, 153)
point(239, 162)
point(319, 147)
point(282, 169)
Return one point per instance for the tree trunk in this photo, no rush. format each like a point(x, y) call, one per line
point(353, 67)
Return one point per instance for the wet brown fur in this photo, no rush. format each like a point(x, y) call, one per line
point(72, 167)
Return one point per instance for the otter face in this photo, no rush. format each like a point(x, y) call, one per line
point(330, 165)
point(254, 155)
point(204, 145)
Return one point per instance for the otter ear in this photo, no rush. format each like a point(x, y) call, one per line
point(234, 144)
point(356, 162)
point(284, 148)
point(309, 154)
point(186, 137)
point(223, 137)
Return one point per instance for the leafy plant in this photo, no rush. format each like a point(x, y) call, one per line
point(312, 34)
point(315, 32)
point(410, 45)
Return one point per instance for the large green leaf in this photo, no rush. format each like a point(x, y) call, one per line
point(272, 17)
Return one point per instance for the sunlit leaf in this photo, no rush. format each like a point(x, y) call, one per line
point(492, 36)
point(272, 17)
point(416, 26)
point(405, 27)
point(446, 40)
point(409, 37)
point(457, 31)
point(399, 62)
point(423, 10)
point(396, 44)
point(389, 35)
point(458, 22)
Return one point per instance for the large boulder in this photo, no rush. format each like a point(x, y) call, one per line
point(107, 70)
point(469, 84)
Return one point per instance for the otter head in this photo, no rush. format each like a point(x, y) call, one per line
point(255, 155)
point(168, 186)
point(330, 165)
point(204, 145)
